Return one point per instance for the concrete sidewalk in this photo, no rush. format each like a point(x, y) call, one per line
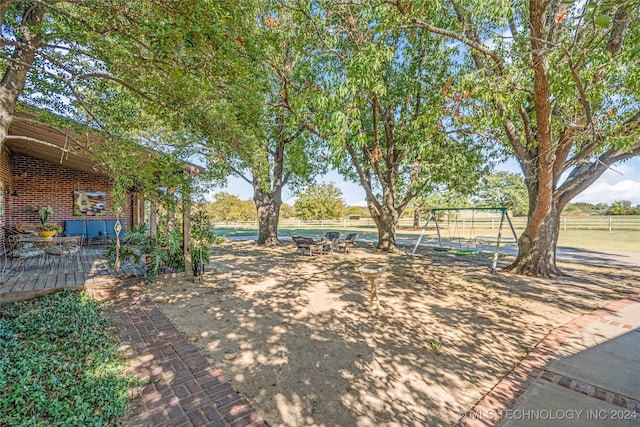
point(585, 373)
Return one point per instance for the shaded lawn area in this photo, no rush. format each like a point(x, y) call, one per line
point(293, 335)
point(60, 364)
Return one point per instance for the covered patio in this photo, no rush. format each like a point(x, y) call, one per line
point(42, 165)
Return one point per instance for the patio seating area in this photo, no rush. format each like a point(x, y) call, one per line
point(32, 276)
point(327, 244)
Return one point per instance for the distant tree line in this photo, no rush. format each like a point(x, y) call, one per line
point(619, 207)
point(325, 201)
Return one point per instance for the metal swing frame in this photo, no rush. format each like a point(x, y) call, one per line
point(504, 215)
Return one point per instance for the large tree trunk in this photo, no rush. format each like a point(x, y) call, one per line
point(386, 222)
point(537, 249)
point(268, 208)
point(15, 75)
point(416, 218)
point(536, 254)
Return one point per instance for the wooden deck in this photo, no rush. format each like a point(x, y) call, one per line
point(32, 278)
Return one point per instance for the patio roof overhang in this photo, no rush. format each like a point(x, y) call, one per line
point(30, 137)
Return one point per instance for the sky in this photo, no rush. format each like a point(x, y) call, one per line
point(620, 182)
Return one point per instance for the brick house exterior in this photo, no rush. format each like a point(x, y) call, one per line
point(33, 183)
point(42, 165)
point(49, 176)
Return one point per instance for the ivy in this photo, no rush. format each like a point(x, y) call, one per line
point(60, 365)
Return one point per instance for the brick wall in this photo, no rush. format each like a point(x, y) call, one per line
point(39, 183)
point(5, 178)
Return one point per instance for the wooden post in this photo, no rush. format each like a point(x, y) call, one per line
point(137, 209)
point(186, 226)
point(153, 221)
point(171, 215)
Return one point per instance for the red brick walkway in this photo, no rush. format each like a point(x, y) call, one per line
point(506, 394)
point(183, 388)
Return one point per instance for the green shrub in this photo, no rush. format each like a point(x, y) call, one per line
point(60, 365)
point(164, 251)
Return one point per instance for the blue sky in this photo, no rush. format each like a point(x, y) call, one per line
point(620, 182)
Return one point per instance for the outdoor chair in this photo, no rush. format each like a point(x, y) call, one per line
point(345, 244)
point(66, 249)
point(26, 228)
point(329, 240)
point(308, 244)
point(8, 231)
point(18, 252)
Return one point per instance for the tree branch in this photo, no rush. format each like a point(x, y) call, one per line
point(587, 173)
point(241, 175)
point(419, 23)
point(562, 152)
point(619, 29)
point(366, 182)
point(583, 96)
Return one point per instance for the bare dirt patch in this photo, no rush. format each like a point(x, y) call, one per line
point(294, 336)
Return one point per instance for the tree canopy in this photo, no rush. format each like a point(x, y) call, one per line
point(322, 201)
point(228, 207)
point(557, 83)
point(379, 98)
point(406, 98)
point(503, 189)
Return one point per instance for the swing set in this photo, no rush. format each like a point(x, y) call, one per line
point(451, 241)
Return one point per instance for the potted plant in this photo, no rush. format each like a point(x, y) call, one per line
point(43, 213)
point(48, 230)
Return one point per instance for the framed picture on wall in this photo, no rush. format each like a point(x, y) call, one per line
point(89, 203)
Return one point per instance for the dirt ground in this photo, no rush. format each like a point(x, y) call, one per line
point(294, 336)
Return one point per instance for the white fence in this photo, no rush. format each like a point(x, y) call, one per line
point(611, 223)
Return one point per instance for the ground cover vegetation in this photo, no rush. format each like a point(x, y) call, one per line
point(405, 98)
point(60, 364)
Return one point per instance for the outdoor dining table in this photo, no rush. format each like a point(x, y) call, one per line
point(45, 243)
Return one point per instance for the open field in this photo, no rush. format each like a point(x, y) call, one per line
point(294, 336)
point(594, 240)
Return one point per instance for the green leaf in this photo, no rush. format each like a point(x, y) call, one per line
point(603, 21)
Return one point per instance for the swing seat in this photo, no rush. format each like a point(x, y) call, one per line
point(439, 249)
point(464, 252)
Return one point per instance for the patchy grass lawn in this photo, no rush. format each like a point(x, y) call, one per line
point(60, 364)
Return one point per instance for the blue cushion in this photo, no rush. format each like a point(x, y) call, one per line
point(75, 227)
point(111, 233)
point(96, 228)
